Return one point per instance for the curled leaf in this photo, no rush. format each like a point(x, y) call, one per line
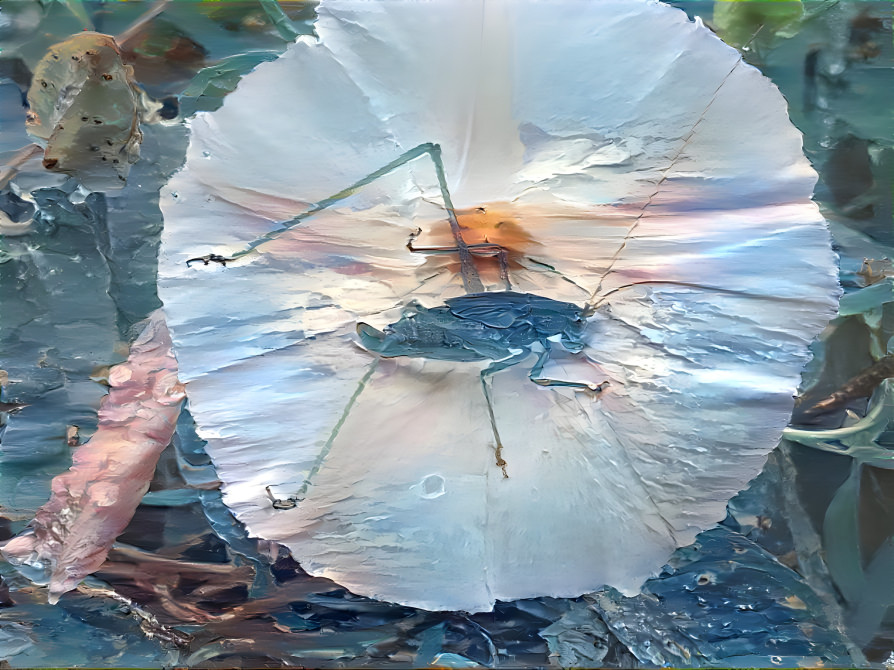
point(94, 501)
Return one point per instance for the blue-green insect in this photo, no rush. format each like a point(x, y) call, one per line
point(500, 326)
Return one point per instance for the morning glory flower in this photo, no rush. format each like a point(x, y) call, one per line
point(612, 156)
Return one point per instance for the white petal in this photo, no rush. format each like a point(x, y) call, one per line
point(624, 157)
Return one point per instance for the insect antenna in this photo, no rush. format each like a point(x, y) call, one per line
point(591, 307)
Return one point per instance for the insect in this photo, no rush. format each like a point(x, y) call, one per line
point(503, 327)
point(500, 326)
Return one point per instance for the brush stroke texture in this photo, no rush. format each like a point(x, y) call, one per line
point(94, 501)
point(625, 158)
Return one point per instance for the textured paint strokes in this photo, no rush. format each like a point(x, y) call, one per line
point(636, 165)
point(93, 502)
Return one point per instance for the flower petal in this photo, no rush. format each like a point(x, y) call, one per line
point(621, 157)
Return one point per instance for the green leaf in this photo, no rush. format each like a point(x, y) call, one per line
point(739, 21)
point(841, 539)
point(279, 19)
point(211, 84)
point(867, 298)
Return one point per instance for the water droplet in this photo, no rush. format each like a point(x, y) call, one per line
point(431, 486)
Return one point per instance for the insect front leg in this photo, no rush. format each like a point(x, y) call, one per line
point(535, 375)
point(482, 249)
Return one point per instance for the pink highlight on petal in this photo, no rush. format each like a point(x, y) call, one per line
point(93, 502)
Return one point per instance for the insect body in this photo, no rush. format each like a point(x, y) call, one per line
point(499, 326)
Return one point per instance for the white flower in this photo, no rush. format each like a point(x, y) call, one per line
point(624, 158)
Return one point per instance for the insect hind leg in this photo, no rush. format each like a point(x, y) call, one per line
point(471, 280)
point(535, 375)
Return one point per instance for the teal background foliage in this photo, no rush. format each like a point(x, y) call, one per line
point(801, 571)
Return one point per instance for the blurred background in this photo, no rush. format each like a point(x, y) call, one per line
point(800, 573)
